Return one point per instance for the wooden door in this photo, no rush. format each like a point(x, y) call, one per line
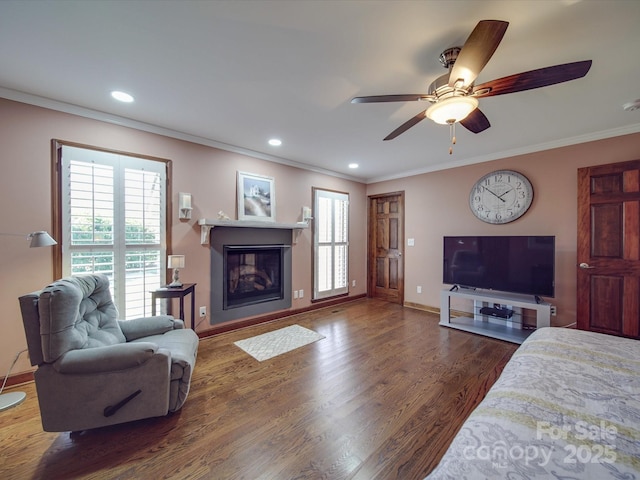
point(386, 242)
point(609, 249)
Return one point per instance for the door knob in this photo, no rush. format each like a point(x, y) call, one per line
point(585, 265)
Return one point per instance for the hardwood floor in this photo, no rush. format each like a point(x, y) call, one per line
point(379, 398)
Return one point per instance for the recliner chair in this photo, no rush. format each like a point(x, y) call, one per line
point(95, 370)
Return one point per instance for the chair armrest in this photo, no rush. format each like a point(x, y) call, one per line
point(147, 326)
point(178, 324)
point(106, 359)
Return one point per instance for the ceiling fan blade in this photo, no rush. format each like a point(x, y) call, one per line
point(411, 97)
point(541, 77)
point(476, 121)
point(407, 125)
point(477, 51)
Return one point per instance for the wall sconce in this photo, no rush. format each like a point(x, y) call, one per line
point(306, 214)
point(176, 262)
point(184, 206)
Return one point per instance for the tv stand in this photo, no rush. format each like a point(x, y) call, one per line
point(496, 314)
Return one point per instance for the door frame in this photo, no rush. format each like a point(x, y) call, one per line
point(371, 237)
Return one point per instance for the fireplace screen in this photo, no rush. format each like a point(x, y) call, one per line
point(252, 274)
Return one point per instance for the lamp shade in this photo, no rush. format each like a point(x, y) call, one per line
point(41, 239)
point(452, 109)
point(175, 261)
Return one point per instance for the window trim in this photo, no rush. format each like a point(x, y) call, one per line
point(344, 291)
point(57, 191)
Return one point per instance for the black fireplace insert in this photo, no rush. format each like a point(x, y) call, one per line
point(252, 274)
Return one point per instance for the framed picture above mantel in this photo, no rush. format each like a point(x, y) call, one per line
point(256, 197)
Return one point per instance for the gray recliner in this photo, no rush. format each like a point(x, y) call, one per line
point(95, 370)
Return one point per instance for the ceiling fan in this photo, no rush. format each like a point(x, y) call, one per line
point(454, 96)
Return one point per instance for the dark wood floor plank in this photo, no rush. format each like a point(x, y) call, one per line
point(380, 397)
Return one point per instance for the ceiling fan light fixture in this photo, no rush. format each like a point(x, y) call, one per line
point(452, 109)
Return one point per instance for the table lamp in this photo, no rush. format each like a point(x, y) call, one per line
point(176, 262)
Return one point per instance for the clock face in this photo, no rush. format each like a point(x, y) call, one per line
point(501, 196)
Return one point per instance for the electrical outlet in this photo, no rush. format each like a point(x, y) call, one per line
point(554, 311)
point(353, 283)
point(295, 294)
point(419, 289)
point(301, 294)
point(203, 312)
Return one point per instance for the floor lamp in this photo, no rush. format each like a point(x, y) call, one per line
point(11, 399)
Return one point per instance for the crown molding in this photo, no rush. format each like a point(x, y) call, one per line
point(77, 110)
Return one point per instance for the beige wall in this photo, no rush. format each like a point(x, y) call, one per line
point(207, 173)
point(436, 204)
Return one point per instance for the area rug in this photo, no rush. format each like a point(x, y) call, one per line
point(268, 345)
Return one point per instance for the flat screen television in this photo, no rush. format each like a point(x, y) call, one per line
point(514, 264)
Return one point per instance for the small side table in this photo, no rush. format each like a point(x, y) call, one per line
point(176, 292)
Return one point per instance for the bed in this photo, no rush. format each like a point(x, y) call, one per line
point(567, 406)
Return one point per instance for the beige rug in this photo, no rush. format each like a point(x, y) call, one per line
point(268, 345)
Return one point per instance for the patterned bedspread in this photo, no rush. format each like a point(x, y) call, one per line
point(567, 406)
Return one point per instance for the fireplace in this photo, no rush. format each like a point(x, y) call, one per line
point(250, 272)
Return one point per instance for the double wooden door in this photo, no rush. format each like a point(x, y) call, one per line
point(609, 249)
point(386, 241)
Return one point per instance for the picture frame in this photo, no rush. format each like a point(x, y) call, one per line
point(256, 197)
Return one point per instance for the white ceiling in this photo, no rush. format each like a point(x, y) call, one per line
point(233, 74)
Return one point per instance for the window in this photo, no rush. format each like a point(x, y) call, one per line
point(114, 222)
point(330, 243)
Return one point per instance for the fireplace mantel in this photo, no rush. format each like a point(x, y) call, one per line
point(207, 224)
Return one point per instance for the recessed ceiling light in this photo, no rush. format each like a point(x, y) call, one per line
point(275, 142)
point(122, 96)
point(353, 165)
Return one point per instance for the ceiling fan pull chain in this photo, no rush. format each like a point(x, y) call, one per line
point(452, 135)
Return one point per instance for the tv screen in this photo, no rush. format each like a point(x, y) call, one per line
point(515, 264)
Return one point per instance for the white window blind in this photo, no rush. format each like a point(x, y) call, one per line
point(113, 222)
point(330, 243)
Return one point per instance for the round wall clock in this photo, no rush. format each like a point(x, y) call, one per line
point(501, 196)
